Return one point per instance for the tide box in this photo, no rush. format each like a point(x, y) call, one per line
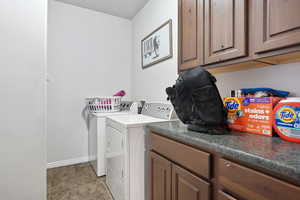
point(251, 114)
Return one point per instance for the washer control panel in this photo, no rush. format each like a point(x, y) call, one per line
point(125, 105)
point(159, 110)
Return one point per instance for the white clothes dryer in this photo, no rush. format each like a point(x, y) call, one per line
point(126, 151)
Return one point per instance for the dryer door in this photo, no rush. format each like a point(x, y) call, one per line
point(115, 158)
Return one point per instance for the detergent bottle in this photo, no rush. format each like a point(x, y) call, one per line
point(287, 119)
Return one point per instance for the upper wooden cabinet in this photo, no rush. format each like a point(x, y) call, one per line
point(190, 32)
point(277, 24)
point(225, 30)
point(230, 35)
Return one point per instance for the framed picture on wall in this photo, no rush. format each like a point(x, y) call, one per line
point(157, 46)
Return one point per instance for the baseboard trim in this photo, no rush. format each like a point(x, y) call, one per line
point(62, 163)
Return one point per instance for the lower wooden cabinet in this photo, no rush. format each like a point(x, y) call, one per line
point(160, 177)
point(253, 185)
point(174, 177)
point(185, 186)
point(224, 196)
point(198, 162)
point(169, 181)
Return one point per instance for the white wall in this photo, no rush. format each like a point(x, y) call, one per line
point(22, 94)
point(150, 83)
point(89, 55)
point(285, 77)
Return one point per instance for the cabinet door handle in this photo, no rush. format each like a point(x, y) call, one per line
point(227, 164)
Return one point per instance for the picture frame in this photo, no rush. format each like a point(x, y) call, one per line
point(157, 46)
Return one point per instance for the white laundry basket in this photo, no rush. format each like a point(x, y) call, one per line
point(103, 104)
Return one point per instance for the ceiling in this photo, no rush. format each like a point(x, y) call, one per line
point(121, 8)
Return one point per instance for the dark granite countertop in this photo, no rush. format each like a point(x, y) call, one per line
point(269, 153)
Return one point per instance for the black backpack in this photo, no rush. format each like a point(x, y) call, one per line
point(197, 102)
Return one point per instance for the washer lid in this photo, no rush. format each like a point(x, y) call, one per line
point(134, 120)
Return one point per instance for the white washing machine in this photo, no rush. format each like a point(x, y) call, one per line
point(97, 140)
point(126, 150)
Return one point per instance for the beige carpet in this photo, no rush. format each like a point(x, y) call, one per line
point(76, 182)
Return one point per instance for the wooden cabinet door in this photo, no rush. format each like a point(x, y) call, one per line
point(224, 196)
point(198, 162)
point(225, 30)
point(253, 185)
point(185, 186)
point(276, 24)
point(160, 177)
point(190, 33)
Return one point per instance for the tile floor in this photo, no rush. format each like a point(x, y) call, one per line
point(76, 182)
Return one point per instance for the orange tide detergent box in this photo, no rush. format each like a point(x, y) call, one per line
point(251, 114)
